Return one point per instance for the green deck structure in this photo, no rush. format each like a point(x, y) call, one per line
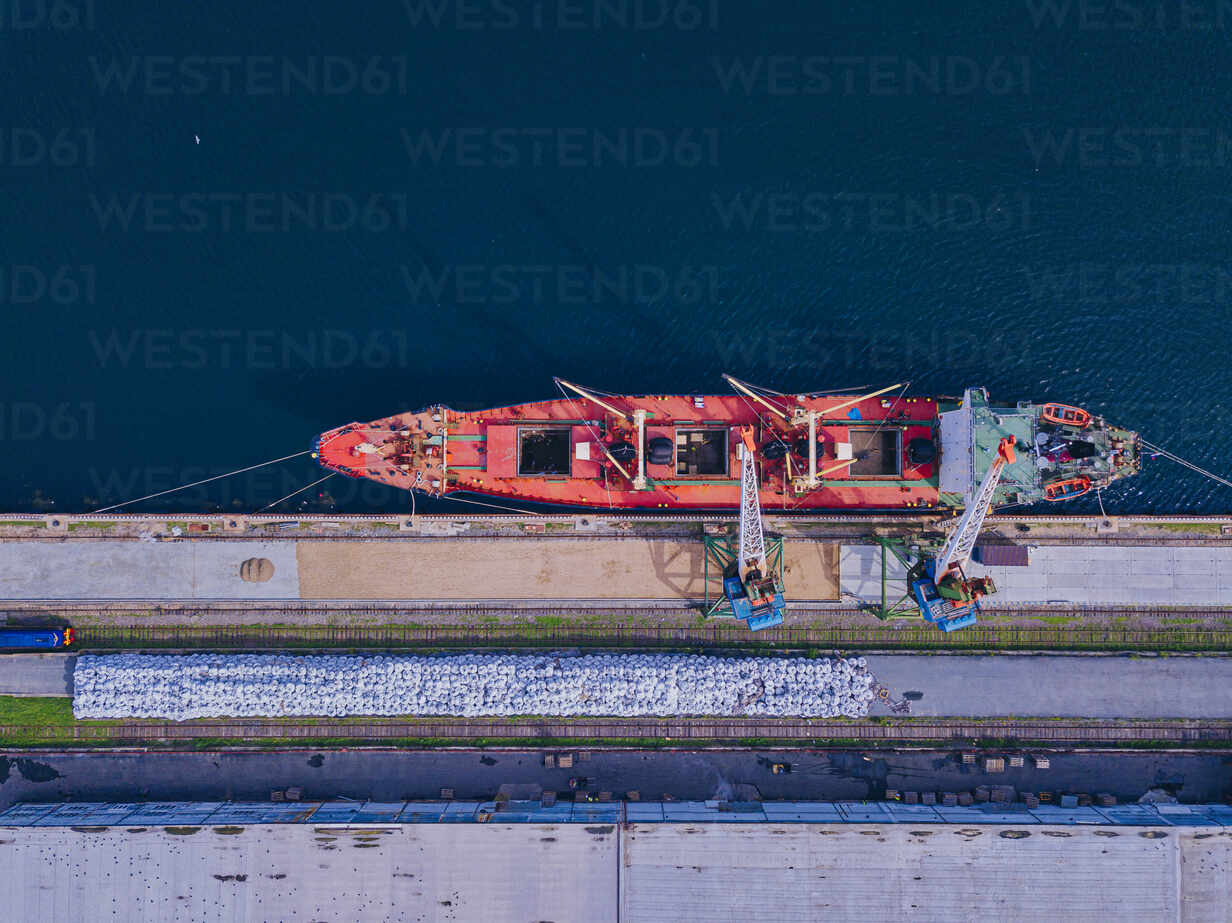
point(971, 431)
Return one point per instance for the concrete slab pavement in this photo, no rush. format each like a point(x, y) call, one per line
point(110, 570)
point(387, 569)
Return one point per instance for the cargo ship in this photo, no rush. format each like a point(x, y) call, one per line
point(876, 451)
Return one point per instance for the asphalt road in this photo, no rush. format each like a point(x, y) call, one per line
point(37, 674)
point(685, 775)
point(1071, 686)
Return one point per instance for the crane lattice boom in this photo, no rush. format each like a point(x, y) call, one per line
point(957, 550)
point(752, 537)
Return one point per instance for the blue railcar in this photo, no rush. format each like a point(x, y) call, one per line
point(47, 639)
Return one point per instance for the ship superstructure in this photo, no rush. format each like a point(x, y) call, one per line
point(818, 452)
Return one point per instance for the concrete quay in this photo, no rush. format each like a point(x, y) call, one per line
point(569, 567)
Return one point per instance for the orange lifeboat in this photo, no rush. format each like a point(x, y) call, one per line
point(1067, 489)
point(1065, 415)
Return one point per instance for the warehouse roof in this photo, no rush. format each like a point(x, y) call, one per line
point(876, 869)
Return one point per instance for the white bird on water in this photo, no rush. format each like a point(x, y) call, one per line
point(197, 138)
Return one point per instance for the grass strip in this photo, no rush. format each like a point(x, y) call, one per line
point(558, 631)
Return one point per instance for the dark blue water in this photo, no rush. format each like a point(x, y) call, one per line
point(394, 204)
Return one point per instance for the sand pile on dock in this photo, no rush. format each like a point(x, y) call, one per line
point(180, 687)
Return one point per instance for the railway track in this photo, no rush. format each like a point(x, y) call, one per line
point(875, 636)
point(859, 537)
point(731, 730)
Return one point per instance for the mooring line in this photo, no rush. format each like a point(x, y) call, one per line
point(219, 477)
point(300, 491)
point(1190, 465)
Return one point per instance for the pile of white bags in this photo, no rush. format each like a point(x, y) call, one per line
point(179, 687)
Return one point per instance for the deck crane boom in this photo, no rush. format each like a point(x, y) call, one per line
point(752, 536)
point(946, 597)
point(755, 594)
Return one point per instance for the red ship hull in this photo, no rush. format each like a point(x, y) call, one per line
point(564, 452)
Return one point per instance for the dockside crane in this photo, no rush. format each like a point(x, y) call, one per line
point(754, 592)
point(947, 598)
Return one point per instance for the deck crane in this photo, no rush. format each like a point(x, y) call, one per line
point(754, 592)
point(946, 596)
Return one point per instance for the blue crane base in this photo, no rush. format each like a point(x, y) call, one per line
point(765, 608)
point(766, 614)
point(946, 614)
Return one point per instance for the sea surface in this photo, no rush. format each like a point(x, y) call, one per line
point(226, 227)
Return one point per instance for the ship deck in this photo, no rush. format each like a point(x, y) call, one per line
point(553, 452)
